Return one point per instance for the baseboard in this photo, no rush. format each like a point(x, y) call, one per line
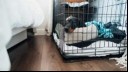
point(40, 32)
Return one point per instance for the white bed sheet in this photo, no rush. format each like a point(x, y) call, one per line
point(16, 14)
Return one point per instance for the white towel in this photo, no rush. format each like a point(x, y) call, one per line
point(76, 4)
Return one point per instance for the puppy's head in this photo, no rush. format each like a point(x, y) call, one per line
point(71, 24)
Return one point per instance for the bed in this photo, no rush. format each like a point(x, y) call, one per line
point(15, 17)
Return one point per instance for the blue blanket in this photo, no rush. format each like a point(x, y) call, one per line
point(102, 31)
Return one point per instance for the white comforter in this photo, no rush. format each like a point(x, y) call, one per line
point(16, 14)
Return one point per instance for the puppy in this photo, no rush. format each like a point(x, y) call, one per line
point(72, 23)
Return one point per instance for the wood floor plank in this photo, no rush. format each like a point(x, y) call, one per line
point(40, 54)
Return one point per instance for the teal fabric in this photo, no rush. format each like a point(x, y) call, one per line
point(102, 31)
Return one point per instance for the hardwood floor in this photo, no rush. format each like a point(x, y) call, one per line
point(41, 54)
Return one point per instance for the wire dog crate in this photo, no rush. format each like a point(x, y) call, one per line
point(90, 28)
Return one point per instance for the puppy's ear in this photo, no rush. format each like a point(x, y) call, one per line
point(69, 18)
